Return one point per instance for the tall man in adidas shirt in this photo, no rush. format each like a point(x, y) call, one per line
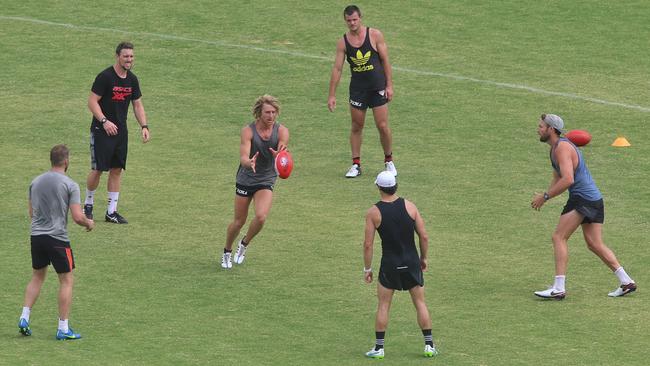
point(371, 85)
point(584, 208)
point(397, 221)
point(51, 195)
point(112, 92)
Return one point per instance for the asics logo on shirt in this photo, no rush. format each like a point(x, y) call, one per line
point(120, 93)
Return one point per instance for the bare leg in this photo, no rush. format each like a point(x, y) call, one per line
point(381, 121)
point(417, 296)
point(92, 182)
point(384, 297)
point(263, 200)
point(114, 179)
point(66, 281)
point(241, 213)
point(569, 222)
point(593, 234)
point(34, 287)
point(356, 132)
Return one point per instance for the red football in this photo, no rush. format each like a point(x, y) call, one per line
point(579, 137)
point(283, 164)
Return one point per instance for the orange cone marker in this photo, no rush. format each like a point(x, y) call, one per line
point(621, 142)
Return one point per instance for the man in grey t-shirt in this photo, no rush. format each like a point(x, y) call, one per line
point(51, 194)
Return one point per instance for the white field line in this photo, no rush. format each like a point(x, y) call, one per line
point(305, 55)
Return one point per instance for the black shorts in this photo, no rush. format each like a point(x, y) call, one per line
point(401, 279)
point(593, 211)
point(46, 250)
point(249, 191)
point(108, 152)
point(362, 99)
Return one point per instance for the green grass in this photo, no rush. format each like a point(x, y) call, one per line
point(152, 292)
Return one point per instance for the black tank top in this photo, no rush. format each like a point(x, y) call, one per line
point(365, 66)
point(397, 230)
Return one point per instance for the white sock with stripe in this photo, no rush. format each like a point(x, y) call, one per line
point(112, 202)
point(90, 197)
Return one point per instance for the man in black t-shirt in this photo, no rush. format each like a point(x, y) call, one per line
point(112, 92)
point(396, 220)
point(371, 85)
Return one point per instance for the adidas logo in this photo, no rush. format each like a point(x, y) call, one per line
point(361, 59)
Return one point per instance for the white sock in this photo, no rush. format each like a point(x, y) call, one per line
point(63, 325)
point(559, 283)
point(622, 276)
point(26, 312)
point(112, 201)
point(90, 197)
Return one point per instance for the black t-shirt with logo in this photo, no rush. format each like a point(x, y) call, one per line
point(116, 95)
point(365, 65)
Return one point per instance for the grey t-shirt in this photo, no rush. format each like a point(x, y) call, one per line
point(51, 195)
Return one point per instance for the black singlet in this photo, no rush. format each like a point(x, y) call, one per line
point(365, 66)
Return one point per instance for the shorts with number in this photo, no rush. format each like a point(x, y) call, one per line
point(593, 211)
point(46, 250)
point(364, 99)
point(107, 152)
point(249, 191)
point(401, 279)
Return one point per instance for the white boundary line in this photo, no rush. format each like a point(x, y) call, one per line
point(305, 55)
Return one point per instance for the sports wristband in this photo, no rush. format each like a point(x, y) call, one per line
point(367, 270)
point(144, 126)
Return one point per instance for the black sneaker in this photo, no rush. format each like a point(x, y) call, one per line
point(88, 211)
point(115, 218)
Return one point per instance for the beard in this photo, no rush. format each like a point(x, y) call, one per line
point(544, 138)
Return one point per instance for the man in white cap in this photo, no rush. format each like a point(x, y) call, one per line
point(401, 267)
point(585, 207)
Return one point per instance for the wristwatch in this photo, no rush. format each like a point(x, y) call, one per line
point(103, 120)
point(546, 196)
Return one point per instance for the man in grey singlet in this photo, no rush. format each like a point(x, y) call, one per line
point(51, 194)
point(261, 141)
point(585, 207)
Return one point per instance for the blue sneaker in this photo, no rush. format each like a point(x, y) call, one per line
point(64, 336)
point(23, 327)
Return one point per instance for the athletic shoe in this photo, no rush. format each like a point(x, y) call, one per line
point(623, 290)
point(225, 261)
point(88, 211)
point(355, 171)
point(551, 293)
point(115, 218)
point(23, 327)
point(430, 351)
point(378, 354)
point(70, 335)
point(241, 252)
point(390, 167)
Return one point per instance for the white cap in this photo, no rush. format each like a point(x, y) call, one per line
point(385, 179)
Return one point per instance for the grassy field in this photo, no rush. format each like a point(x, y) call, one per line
point(470, 82)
